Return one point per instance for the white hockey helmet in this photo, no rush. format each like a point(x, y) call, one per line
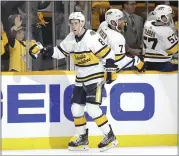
point(77, 16)
point(113, 15)
point(163, 11)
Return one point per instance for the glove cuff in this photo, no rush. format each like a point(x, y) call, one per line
point(40, 45)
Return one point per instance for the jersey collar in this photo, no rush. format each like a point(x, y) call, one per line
point(79, 38)
point(158, 23)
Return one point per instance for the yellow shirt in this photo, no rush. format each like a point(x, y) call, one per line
point(3, 42)
point(18, 56)
point(176, 25)
point(98, 8)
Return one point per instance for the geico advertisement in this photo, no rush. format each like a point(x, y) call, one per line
point(130, 99)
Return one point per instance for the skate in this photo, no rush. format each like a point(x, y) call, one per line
point(81, 143)
point(108, 142)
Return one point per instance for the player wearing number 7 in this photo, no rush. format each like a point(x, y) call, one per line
point(160, 41)
point(110, 30)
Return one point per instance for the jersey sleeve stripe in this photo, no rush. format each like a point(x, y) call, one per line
point(103, 52)
point(173, 49)
point(119, 57)
point(106, 53)
point(64, 52)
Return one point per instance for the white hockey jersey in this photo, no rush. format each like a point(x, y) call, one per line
point(87, 53)
point(117, 42)
point(160, 42)
point(171, 24)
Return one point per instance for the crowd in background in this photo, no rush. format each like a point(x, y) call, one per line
point(20, 13)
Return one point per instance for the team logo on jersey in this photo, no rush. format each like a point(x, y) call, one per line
point(92, 32)
point(103, 34)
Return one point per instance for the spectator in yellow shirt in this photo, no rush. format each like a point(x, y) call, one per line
point(4, 39)
point(98, 8)
point(18, 47)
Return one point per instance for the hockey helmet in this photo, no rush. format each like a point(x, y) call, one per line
point(113, 15)
point(163, 11)
point(77, 16)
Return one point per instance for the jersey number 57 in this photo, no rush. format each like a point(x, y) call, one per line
point(154, 42)
point(172, 38)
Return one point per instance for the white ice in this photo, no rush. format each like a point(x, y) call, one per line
point(113, 151)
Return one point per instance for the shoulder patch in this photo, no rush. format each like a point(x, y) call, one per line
point(92, 32)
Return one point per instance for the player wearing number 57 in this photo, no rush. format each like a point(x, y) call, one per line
point(160, 41)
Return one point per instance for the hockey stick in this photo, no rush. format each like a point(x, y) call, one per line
point(125, 65)
point(104, 81)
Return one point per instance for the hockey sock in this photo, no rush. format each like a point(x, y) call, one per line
point(102, 123)
point(101, 120)
point(79, 118)
point(80, 124)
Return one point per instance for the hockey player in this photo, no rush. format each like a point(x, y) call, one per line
point(110, 30)
point(87, 49)
point(160, 41)
point(171, 23)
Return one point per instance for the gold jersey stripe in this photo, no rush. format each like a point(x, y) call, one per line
point(103, 52)
point(86, 65)
point(119, 57)
point(173, 49)
point(156, 56)
point(90, 77)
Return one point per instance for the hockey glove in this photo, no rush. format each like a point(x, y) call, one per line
point(139, 64)
point(47, 52)
point(35, 50)
point(110, 74)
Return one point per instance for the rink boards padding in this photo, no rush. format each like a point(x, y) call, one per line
point(62, 142)
point(36, 114)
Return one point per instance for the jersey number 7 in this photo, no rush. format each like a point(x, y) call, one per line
point(149, 39)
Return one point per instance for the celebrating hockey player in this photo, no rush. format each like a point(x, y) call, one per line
point(110, 30)
point(87, 49)
point(160, 40)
